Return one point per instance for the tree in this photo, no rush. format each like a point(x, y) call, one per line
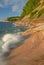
point(15, 18)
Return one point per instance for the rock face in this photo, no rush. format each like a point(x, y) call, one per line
point(30, 22)
point(30, 53)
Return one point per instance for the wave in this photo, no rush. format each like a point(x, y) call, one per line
point(11, 41)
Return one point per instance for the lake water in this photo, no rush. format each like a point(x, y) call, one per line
point(10, 27)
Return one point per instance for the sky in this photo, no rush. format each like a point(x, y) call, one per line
point(10, 8)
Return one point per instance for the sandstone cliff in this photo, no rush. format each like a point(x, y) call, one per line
point(31, 52)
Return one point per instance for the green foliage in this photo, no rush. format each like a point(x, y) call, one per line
point(36, 14)
point(33, 14)
point(40, 13)
point(29, 7)
point(13, 18)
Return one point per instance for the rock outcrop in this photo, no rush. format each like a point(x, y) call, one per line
point(31, 52)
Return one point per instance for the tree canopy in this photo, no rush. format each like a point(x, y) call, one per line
point(15, 18)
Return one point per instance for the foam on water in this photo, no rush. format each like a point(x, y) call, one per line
point(13, 39)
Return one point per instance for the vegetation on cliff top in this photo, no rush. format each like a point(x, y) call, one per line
point(30, 6)
point(15, 18)
point(34, 8)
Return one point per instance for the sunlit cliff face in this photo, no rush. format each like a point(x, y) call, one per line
point(11, 41)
